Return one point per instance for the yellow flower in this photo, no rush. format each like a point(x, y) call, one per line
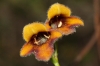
point(59, 19)
point(39, 41)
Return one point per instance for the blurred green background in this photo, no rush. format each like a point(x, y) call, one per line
point(15, 14)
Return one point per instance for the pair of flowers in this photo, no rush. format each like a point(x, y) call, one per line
point(40, 37)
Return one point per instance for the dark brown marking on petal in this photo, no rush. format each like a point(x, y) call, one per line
point(40, 38)
point(57, 21)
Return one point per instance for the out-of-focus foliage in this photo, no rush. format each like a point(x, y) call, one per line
point(14, 14)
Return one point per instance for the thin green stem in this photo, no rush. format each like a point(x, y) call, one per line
point(55, 57)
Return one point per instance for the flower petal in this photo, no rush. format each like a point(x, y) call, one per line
point(27, 49)
point(73, 20)
point(44, 52)
point(57, 9)
point(32, 29)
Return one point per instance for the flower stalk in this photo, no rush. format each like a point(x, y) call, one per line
point(55, 57)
